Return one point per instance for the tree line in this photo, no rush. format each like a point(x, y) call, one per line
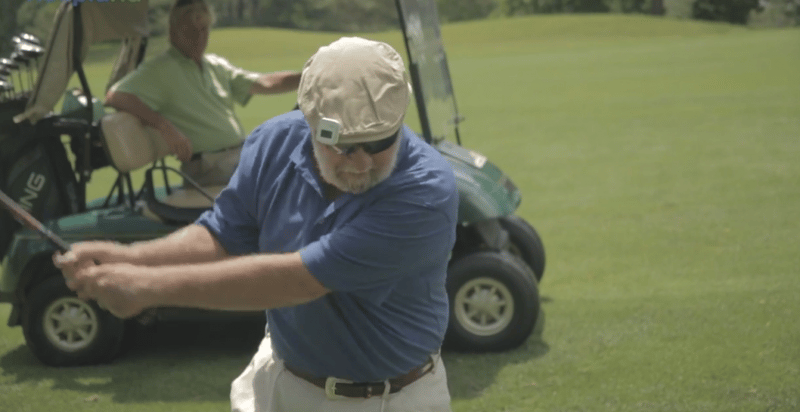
point(35, 16)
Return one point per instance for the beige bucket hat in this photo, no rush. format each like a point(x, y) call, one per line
point(359, 83)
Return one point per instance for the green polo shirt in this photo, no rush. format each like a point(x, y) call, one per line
point(199, 102)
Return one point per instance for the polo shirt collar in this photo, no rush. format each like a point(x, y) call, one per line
point(302, 158)
point(177, 55)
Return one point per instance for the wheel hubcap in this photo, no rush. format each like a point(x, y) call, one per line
point(70, 324)
point(484, 306)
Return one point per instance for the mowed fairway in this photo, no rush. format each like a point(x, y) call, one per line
point(659, 161)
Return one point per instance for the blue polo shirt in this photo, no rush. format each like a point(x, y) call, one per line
point(383, 253)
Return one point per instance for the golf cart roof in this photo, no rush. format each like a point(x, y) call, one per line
point(76, 26)
point(430, 75)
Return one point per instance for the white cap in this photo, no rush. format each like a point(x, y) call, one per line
point(360, 83)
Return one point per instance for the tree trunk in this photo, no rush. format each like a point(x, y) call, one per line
point(240, 13)
point(8, 24)
point(255, 11)
point(658, 8)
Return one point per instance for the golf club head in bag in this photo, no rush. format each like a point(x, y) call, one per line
point(10, 67)
point(31, 52)
point(27, 37)
point(6, 89)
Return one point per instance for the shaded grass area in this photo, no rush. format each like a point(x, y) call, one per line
point(164, 366)
point(657, 159)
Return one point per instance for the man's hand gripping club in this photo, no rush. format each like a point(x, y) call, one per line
point(85, 266)
point(95, 271)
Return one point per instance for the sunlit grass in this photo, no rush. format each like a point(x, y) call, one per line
point(658, 160)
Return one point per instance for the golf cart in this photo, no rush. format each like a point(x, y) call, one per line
point(47, 159)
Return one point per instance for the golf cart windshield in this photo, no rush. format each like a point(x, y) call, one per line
point(430, 75)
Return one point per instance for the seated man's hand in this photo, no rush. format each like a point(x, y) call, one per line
point(178, 143)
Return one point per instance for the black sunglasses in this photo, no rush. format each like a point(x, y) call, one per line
point(370, 148)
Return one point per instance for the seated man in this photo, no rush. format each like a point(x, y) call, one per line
point(189, 96)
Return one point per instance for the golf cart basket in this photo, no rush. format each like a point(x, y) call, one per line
point(35, 167)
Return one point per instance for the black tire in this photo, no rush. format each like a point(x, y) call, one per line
point(525, 243)
point(62, 330)
point(494, 302)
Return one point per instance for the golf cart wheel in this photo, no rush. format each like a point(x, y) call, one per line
point(525, 243)
point(63, 330)
point(494, 302)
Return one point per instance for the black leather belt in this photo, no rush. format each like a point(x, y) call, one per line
point(198, 155)
point(342, 388)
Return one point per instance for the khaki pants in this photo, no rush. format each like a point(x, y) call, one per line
point(213, 169)
point(266, 386)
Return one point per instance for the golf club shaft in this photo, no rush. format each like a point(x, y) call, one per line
point(30, 75)
point(30, 222)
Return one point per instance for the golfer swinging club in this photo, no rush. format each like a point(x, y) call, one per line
point(339, 222)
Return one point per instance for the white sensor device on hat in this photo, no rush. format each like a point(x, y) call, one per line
point(328, 131)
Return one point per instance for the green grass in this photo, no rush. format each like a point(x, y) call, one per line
point(658, 160)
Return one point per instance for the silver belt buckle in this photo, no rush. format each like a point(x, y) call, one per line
point(330, 388)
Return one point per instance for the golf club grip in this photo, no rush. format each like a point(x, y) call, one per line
point(30, 222)
point(146, 317)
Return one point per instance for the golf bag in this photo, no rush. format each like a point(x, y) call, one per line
point(34, 171)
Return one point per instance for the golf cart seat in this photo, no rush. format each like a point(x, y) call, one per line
point(130, 145)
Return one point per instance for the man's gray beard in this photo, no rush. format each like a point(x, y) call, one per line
point(329, 175)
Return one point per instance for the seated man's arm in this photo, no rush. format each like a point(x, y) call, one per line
point(276, 82)
point(178, 143)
